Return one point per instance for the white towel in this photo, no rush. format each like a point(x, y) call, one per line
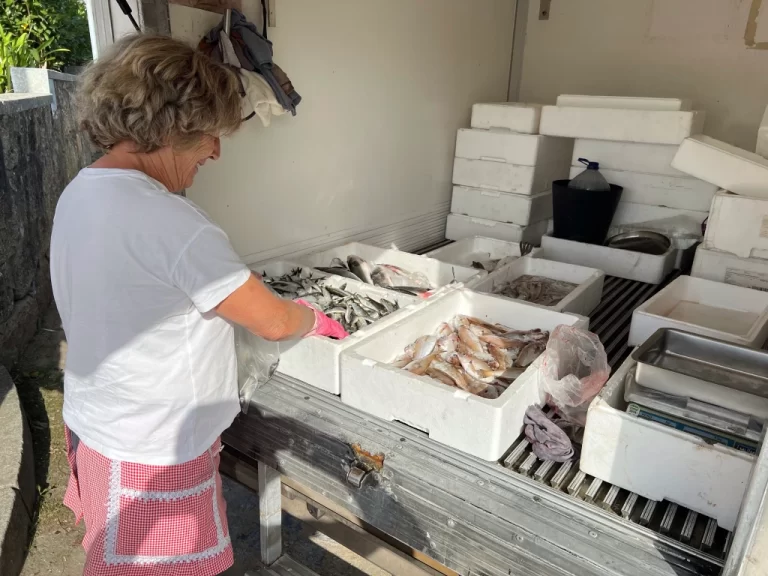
point(259, 98)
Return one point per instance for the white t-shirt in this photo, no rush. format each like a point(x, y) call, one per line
point(151, 374)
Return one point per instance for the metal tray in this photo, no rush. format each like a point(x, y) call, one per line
point(720, 373)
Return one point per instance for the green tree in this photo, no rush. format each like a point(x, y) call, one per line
point(42, 33)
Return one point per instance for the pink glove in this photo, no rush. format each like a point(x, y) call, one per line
point(324, 326)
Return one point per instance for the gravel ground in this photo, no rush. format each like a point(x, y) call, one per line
point(55, 547)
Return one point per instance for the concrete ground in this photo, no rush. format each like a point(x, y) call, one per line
point(55, 547)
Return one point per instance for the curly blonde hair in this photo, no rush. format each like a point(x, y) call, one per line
point(155, 91)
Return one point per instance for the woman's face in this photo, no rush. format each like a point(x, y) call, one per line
point(186, 163)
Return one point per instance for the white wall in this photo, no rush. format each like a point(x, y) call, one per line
point(678, 48)
point(386, 84)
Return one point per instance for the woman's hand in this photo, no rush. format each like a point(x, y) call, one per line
point(324, 326)
point(254, 307)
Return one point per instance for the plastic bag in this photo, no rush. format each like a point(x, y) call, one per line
point(573, 370)
point(257, 361)
point(403, 278)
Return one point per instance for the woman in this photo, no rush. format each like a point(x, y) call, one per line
point(147, 287)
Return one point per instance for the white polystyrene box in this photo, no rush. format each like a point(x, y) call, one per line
point(502, 206)
point(762, 137)
point(712, 309)
point(582, 300)
point(659, 462)
point(459, 227)
point(316, 360)
point(726, 166)
point(514, 116)
point(633, 213)
point(623, 102)
point(475, 249)
point(738, 225)
point(729, 269)
point(505, 146)
point(613, 261)
point(628, 156)
point(478, 426)
point(683, 193)
point(438, 273)
point(648, 126)
point(505, 177)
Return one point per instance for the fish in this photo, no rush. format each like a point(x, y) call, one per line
point(338, 263)
point(470, 340)
point(528, 354)
point(360, 268)
point(420, 366)
point(352, 310)
point(536, 289)
point(473, 355)
point(424, 346)
point(382, 277)
point(339, 271)
point(503, 343)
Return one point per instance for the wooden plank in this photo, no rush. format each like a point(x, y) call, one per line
point(218, 6)
point(337, 524)
point(471, 516)
point(287, 566)
point(270, 514)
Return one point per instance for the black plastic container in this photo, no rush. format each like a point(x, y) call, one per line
point(583, 215)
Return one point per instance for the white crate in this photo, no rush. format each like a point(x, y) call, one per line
point(738, 225)
point(514, 116)
point(613, 261)
point(623, 102)
point(762, 137)
point(502, 206)
point(505, 146)
point(508, 177)
point(730, 269)
point(659, 462)
point(584, 298)
point(648, 126)
point(475, 249)
point(438, 273)
point(726, 166)
point(629, 156)
point(316, 360)
point(460, 227)
point(632, 213)
point(712, 309)
point(478, 426)
point(683, 193)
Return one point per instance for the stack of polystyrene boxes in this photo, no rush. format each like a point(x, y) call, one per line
point(735, 248)
point(634, 140)
point(503, 174)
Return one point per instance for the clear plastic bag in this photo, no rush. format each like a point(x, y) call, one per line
point(573, 370)
point(404, 278)
point(257, 361)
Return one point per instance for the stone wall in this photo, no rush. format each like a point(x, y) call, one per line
point(41, 150)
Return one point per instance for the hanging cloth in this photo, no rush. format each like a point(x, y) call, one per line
point(260, 97)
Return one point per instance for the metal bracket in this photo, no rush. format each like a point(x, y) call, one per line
point(355, 476)
point(544, 9)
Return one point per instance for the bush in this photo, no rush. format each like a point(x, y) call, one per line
point(42, 33)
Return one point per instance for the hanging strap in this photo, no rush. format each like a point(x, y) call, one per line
point(264, 17)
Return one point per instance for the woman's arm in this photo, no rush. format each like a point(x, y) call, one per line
point(257, 309)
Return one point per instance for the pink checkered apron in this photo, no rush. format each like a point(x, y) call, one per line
point(149, 520)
